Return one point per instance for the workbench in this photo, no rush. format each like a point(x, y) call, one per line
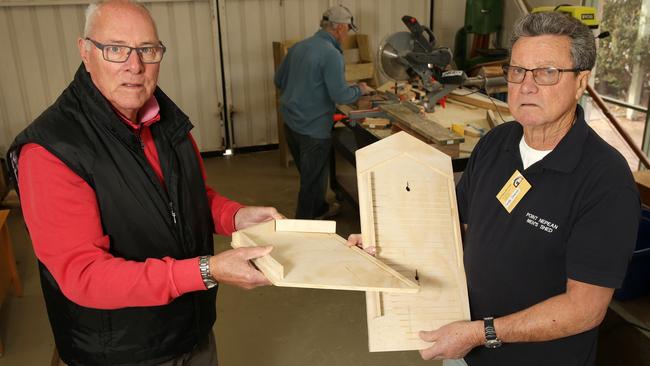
point(432, 128)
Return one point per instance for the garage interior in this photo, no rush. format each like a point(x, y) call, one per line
point(220, 72)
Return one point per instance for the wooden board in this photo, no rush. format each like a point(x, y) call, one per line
point(479, 100)
point(375, 122)
point(461, 113)
point(407, 119)
point(363, 71)
point(408, 211)
point(313, 256)
point(306, 226)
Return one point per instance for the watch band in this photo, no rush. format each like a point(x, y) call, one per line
point(491, 339)
point(206, 275)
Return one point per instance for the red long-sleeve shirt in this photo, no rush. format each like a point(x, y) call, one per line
point(63, 218)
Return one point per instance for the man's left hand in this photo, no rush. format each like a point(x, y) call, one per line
point(249, 216)
point(453, 340)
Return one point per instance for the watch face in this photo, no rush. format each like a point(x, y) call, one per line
point(493, 343)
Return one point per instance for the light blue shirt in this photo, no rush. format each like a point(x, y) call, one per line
point(312, 81)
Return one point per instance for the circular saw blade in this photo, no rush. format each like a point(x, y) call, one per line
point(391, 48)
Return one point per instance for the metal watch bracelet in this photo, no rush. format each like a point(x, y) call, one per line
point(206, 275)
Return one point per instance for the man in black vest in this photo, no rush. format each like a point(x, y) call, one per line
point(114, 195)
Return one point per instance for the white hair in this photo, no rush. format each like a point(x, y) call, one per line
point(94, 8)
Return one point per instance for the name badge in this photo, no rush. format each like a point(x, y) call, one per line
point(513, 191)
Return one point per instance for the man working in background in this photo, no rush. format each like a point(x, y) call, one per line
point(311, 79)
point(114, 196)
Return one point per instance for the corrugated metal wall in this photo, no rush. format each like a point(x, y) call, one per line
point(40, 57)
point(250, 26)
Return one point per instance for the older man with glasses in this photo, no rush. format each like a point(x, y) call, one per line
point(114, 195)
point(549, 210)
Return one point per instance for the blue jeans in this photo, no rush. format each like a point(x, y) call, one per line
point(312, 158)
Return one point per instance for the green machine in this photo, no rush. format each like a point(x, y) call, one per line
point(482, 19)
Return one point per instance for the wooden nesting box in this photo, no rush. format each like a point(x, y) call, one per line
point(408, 211)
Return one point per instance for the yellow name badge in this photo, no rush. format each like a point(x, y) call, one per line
point(513, 191)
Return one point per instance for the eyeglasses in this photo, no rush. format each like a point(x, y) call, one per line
point(120, 53)
point(541, 75)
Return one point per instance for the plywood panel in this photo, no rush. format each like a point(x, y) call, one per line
point(308, 254)
point(408, 212)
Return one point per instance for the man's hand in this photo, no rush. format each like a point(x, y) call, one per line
point(365, 89)
point(233, 267)
point(249, 216)
point(453, 340)
point(356, 240)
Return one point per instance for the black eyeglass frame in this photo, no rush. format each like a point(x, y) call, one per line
point(505, 69)
point(138, 50)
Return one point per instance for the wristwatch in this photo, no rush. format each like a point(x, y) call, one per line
point(204, 266)
point(491, 339)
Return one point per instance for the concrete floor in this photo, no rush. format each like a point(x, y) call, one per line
point(267, 327)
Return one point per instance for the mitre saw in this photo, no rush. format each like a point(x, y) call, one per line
point(414, 58)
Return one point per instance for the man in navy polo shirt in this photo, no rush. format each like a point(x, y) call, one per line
point(550, 211)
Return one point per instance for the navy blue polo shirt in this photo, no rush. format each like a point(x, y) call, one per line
point(579, 220)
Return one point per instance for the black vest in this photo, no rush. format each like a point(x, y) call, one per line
point(141, 217)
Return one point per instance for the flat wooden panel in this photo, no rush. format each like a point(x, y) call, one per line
point(306, 226)
point(319, 259)
point(479, 100)
point(426, 128)
point(408, 212)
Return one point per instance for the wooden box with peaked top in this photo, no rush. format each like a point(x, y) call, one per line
point(408, 211)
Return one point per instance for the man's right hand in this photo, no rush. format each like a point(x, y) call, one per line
point(365, 89)
point(357, 240)
point(233, 267)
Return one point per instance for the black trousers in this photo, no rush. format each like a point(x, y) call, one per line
point(312, 158)
point(204, 354)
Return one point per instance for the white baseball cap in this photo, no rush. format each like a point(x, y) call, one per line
point(340, 14)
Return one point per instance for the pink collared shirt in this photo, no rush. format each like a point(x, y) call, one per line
point(63, 218)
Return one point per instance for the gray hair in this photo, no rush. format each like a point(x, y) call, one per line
point(328, 25)
point(583, 44)
point(94, 9)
